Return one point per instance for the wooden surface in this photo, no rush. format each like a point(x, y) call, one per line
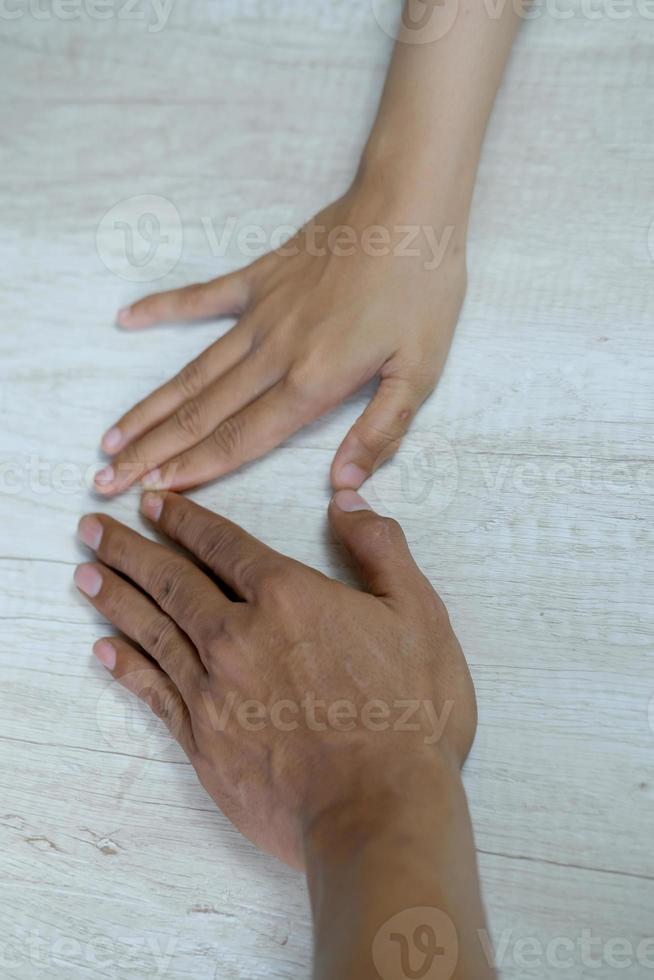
point(526, 487)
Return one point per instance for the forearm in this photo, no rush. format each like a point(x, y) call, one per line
point(394, 874)
point(427, 138)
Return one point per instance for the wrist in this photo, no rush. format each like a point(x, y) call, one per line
point(407, 192)
point(380, 801)
point(401, 845)
point(423, 180)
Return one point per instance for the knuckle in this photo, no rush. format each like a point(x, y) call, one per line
point(161, 639)
point(302, 381)
point(373, 440)
point(247, 573)
point(191, 378)
point(307, 386)
point(220, 542)
point(110, 598)
point(227, 649)
point(189, 418)
point(181, 523)
point(165, 579)
point(388, 433)
point(385, 531)
point(273, 581)
point(216, 544)
point(228, 438)
point(223, 633)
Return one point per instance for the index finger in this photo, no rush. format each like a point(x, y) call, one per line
point(225, 296)
point(239, 559)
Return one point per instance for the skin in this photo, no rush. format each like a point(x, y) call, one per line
point(316, 323)
point(369, 806)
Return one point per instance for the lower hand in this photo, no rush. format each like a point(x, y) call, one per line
point(303, 695)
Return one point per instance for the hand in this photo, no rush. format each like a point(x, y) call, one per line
point(305, 694)
point(316, 322)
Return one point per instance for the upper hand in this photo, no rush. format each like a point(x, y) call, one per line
point(314, 326)
point(291, 699)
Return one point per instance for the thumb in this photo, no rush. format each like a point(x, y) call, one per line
point(224, 296)
point(377, 544)
point(377, 434)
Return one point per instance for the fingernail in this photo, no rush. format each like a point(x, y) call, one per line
point(89, 530)
point(112, 439)
point(123, 315)
point(104, 476)
point(88, 580)
point(152, 479)
point(351, 475)
point(106, 653)
point(152, 505)
point(349, 501)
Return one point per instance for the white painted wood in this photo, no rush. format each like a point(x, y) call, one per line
point(526, 487)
